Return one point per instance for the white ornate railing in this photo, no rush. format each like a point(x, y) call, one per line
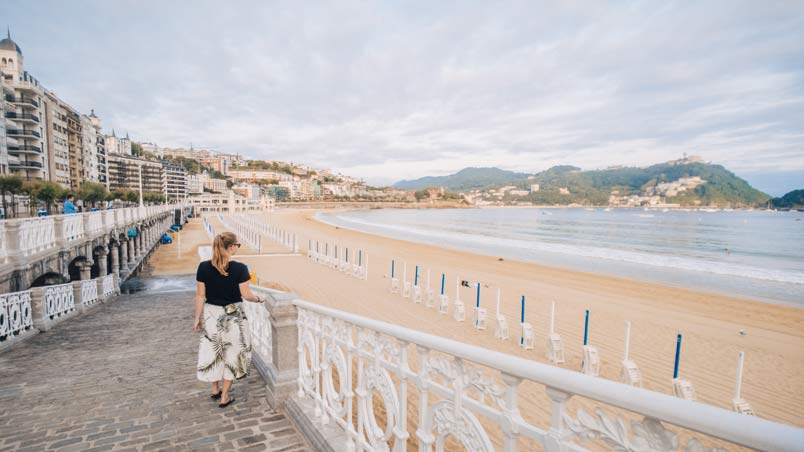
point(108, 286)
point(260, 324)
point(244, 233)
point(89, 292)
point(15, 314)
point(471, 396)
point(94, 224)
point(59, 300)
point(28, 236)
point(36, 234)
point(72, 227)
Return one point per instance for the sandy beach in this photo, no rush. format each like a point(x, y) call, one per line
point(773, 341)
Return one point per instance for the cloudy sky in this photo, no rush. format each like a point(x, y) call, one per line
point(395, 90)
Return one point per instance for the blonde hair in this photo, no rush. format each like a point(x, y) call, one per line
point(220, 258)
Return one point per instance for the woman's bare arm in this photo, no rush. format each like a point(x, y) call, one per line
point(247, 294)
point(200, 298)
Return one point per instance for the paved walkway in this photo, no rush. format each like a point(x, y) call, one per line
point(123, 378)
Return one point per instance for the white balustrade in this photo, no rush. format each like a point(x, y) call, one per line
point(15, 314)
point(259, 322)
point(471, 395)
point(108, 285)
point(58, 300)
point(108, 219)
point(94, 224)
point(36, 234)
point(89, 292)
point(72, 227)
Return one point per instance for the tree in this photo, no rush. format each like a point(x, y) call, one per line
point(92, 192)
point(136, 149)
point(132, 196)
point(11, 185)
point(50, 192)
point(421, 194)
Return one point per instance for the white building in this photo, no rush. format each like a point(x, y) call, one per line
point(250, 175)
point(230, 202)
point(534, 188)
point(26, 140)
point(118, 146)
point(216, 185)
point(195, 183)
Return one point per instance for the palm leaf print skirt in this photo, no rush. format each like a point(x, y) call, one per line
point(225, 349)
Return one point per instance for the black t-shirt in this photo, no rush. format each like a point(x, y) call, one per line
point(222, 290)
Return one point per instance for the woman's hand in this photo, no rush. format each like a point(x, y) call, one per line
point(197, 326)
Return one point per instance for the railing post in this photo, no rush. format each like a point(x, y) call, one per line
point(41, 321)
point(114, 250)
point(85, 270)
point(58, 228)
point(554, 440)
point(77, 295)
point(284, 366)
point(13, 241)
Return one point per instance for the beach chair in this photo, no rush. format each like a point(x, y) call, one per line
point(460, 312)
point(430, 298)
point(417, 294)
point(742, 406)
point(501, 327)
point(555, 349)
point(406, 290)
point(591, 361)
point(527, 340)
point(394, 285)
point(683, 389)
point(630, 374)
point(443, 305)
point(479, 318)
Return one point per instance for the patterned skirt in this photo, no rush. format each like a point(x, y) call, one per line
point(225, 349)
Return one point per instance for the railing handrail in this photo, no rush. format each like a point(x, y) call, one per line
point(710, 420)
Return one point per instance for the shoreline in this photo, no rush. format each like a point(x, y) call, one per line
point(319, 217)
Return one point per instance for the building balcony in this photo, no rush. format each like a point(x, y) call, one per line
point(23, 117)
point(22, 101)
point(25, 165)
point(26, 85)
point(24, 149)
point(23, 133)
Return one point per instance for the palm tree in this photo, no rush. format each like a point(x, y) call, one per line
point(9, 185)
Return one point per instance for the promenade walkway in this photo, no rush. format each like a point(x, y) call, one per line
point(122, 378)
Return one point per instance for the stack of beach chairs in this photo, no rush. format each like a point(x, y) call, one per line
point(337, 258)
point(246, 234)
point(255, 224)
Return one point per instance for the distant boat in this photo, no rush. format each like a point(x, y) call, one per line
point(607, 209)
point(589, 209)
point(665, 210)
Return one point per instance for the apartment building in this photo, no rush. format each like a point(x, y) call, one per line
point(174, 180)
point(93, 150)
point(125, 172)
point(195, 183)
point(54, 122)
point(249, 175)
point(5, 122)
point(185, 153)
point(215, 185)
point(27, 150)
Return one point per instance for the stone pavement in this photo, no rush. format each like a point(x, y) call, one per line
point(123, 378)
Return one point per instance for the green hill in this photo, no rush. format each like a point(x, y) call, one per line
point(465, 179)
point(792, 200)
point(680, 182)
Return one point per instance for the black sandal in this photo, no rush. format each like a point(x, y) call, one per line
point(216, 396)
point(224, 405)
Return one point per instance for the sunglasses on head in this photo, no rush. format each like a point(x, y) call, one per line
point(237, 245)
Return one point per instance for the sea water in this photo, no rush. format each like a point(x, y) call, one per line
point(749, 254)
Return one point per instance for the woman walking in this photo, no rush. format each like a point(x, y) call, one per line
point(224, 354)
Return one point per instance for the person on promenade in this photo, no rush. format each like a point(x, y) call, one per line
point(69, 204)
point(224, 353)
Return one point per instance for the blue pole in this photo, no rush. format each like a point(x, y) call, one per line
point(522, 320)
point(359, 257)
point(326, 249)
point(678, 357)
point(442, 284)
point(416, 277)
point(586, 328)
point(478, 295)
point(347, 255)
point(316, 246)
point(392, 268)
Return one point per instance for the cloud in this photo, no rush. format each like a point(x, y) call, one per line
point(391, 90)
